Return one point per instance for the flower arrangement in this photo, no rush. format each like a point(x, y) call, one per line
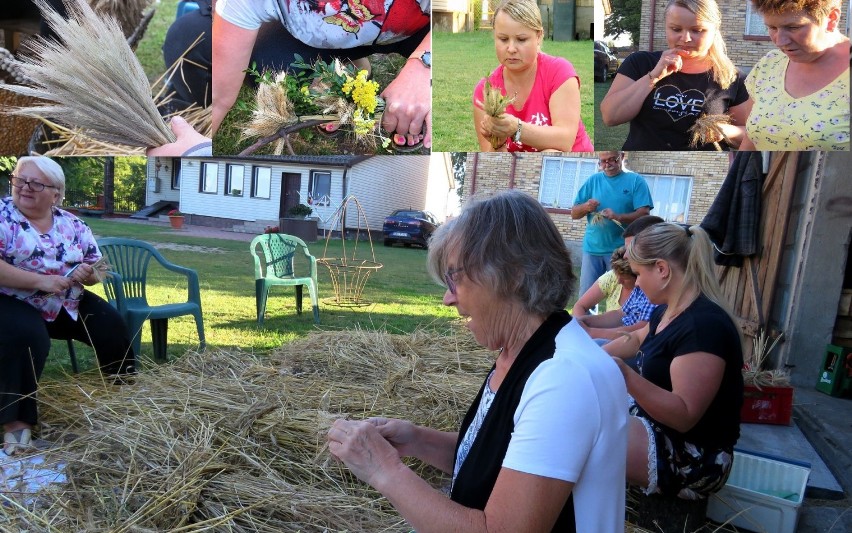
point(321, 92)
point(175, 213)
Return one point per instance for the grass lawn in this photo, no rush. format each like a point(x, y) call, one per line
point(150, 49)
point(462, 59)
point(607, 138)
point(405, 298)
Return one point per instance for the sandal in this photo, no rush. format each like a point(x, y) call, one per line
point(17, 442)
point(406, 148)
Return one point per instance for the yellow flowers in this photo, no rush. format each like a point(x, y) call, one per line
point(362, 91)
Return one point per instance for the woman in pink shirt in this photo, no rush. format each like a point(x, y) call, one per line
point(545, 115)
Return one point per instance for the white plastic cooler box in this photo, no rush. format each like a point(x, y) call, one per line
point(763, 493)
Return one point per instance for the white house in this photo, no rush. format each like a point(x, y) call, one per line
point(248, 194)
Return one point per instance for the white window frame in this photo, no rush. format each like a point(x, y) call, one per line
point(255, 183)
point(660, 204)
point(754, 25)
point(565, 192)
point(209, 182)
point(229, 179)
point(318, 199)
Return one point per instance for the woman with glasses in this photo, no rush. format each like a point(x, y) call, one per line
point(663, 94)
point(543, 446)
point(545, 113)
point(46, 257)
point(689, 387)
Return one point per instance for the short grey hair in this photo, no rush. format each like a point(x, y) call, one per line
point(49, 168)
point(507, 241)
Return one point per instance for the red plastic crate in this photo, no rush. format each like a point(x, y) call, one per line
point(767, 405)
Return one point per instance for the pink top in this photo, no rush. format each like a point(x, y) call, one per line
point(551, 73)
point(68, 243)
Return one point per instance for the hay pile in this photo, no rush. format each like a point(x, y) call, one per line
point(232, 441)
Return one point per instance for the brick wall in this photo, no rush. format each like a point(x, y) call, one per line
point(493, 172)
point(744, 51)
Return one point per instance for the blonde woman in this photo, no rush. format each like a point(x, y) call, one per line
point(546, 112)
point(662, 94)
point(801, 90)
point(689, 387)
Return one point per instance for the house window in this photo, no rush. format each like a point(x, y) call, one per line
point(261, 182)
point(319, 188)
point(671, 195)
point(754, 22)
point(176, 174)
point(235, 180)
point(209, 177)
point(561, 178)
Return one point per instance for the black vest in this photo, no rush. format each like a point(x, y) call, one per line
point(477, 475)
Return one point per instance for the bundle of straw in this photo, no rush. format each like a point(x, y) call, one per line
point(598, 219)
point(754, 372)
point(272, 112)
point(94, 79)
point(495, 104)
point(707, 128)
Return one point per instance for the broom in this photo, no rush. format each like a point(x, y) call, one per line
point(93, 78)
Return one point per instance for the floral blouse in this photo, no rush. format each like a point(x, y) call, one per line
point(818, 121)
point(68, 243)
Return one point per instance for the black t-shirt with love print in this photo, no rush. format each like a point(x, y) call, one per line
point(674, 105)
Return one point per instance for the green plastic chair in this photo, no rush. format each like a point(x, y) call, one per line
point(273, 265)
point(130, 258)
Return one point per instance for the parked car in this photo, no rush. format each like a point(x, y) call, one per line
point(606, 64)
point(408, 227)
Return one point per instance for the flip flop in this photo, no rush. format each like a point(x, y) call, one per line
point(17, 442)
point(330, 133)
point(407, 148)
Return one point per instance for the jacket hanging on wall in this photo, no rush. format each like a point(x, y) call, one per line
point(733, 221)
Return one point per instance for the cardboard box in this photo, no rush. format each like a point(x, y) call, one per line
point(763, 494)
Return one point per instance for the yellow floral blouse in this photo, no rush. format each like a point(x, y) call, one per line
point(609, 285)
point(818, 121)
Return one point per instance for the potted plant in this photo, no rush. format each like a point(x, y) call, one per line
point(176, 218)
point(767, 394)
point(297, 223)
point(300, 211)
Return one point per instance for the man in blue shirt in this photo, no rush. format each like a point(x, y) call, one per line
point(620, 197)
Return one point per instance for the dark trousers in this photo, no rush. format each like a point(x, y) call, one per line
point(276, 49)
point(192, 81)
point(25, 343)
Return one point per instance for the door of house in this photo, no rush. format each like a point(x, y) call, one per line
point(290, 197)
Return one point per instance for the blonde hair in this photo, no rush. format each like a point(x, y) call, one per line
point(722, 68)
point(524, 11)
point(49, 168)
point(620, 264)
point(687, 249)
point(818, 9)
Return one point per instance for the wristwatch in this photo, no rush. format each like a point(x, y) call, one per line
point(517, 137)
point(425, 58)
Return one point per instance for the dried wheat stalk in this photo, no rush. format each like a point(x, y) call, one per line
point(273, 111)
point(94, 79)
point(495, 104)
point(707, 128)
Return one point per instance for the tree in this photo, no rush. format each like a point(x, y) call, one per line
point(458, 159)
point(109, 185)
point(625, 18)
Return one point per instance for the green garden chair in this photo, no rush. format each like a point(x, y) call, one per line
point(130, 259)
point(274, 255)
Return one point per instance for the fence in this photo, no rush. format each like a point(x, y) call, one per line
point(79, 199)
point(122, 203)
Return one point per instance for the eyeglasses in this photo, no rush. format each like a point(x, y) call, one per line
point(449, 278)
point(34, 186)
point(610, 161)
